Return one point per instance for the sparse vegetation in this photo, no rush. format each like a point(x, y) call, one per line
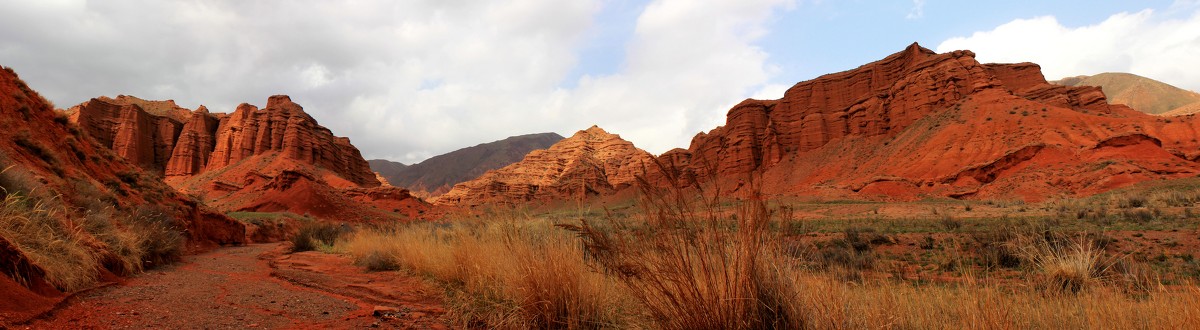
point(510, 272)
point(36, 148)
point(682, 263)
point(66, 243)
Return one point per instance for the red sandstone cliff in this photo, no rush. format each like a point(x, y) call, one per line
point(284, 127)
point(133, 133)
point(591, 162)
point(180, 143)
point(194, 145)
point(918, 123)
point(272, 159)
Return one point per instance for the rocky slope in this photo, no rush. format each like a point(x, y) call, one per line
point(918, 123)
point(277, 158)
point(591, 162)
point(435, 176)
point(1140, 93)
point(88, 206)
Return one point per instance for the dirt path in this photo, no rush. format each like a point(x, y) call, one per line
point(234, 288)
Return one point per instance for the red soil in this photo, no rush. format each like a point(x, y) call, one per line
point(241, 287)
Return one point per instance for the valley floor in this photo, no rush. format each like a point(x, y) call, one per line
point(256, 286)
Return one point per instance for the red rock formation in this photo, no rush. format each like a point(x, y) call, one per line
point(225, 158)
point(919, 123)
point(284, 127)
point(133, 133)
point(166, 108)
point(588, 163)
point(179, 143)
point(195, 144)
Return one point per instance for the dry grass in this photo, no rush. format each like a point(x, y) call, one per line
point(523, 273)
point(68, 246)
point(60, 253)
point(831, 304)
point(687, 264)
point(693, 269)
point(508, 273)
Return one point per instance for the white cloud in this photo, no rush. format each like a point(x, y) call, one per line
point(1155, 45)
point(405, 80)
point(917, 11)
point(687, 64)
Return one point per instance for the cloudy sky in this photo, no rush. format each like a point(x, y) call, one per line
point(407, 80)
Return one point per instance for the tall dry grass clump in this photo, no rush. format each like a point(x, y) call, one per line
point(691, 266)
point(69, 246)
point(59, 253)
point(509, 272)
point(1064, 264)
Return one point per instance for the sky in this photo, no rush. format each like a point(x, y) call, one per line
point(408, 80)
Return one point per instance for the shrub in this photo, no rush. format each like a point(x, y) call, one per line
point(378, 261)
point(129, 177)
point(159, 237)
point(950, 223)
point(14, 180)
point(25, 141)
point(928, 243)
point(61, 118)
point(315, 235)
point(1139, 216)
point(1131, 201)
point(993, 247)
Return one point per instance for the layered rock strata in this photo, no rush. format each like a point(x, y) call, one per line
point(179, 143)
point(918, 123)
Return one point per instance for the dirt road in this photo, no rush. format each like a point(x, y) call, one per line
point(256, 286)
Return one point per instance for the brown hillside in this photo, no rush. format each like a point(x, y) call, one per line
point(591, 162)
point(1140, 93)
point(435, 176)
point(1186, 109)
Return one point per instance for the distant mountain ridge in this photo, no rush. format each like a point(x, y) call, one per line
point(1140, 93)
point(435, 176)
point(590, 162)
point(386, 168)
